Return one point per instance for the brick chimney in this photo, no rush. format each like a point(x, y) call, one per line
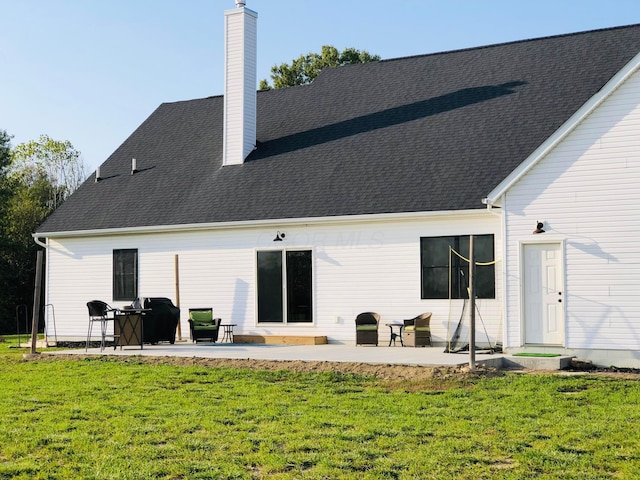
point(240, 83)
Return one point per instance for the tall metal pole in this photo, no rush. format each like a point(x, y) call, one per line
point(472, 306)
point(36, 303)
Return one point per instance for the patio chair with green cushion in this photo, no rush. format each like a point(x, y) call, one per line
point(203, 325)
point(367, 328)
point(417, 332)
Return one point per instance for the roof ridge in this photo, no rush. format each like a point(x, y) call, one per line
point(511, 42)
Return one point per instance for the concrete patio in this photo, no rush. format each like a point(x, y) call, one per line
point(394, 355)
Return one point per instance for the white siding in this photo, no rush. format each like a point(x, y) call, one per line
point(586, 193)
point(357, 267)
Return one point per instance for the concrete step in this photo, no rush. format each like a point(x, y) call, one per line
point(537, 363)
point(282, 339)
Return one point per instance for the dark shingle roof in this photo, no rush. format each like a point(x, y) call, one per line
point(424, 133)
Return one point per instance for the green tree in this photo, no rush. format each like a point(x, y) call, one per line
point(53, 161)
point(5, 160)
point(305, 68)
point(35, 178)
point(7, 272)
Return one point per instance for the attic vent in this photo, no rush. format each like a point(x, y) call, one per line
point(240, 3)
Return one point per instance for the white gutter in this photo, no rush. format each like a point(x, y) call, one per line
point(569, 126)
point(38, 241)
point(367, 218)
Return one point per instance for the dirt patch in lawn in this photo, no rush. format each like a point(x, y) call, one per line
point(381, 371)
point(407, 376)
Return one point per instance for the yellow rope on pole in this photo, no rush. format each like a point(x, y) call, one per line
point(493, 262)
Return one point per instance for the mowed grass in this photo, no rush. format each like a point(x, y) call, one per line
point(117, 418)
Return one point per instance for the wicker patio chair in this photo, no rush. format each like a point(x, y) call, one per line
point(367, 328)
point(417, 332)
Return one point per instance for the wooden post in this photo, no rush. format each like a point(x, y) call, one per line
point(472, 306)
point(177, 275)
point(36, 302)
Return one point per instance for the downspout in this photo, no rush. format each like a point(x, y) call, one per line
point(489, 204)
point(46, 276)
point(503, 304)
point(38, 241)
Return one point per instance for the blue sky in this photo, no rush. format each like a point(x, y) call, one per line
point(91, 71)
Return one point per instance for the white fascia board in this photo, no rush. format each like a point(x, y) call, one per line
point(279, 222)
point(568, 126)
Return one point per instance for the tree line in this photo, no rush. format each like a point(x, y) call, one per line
point(36, 177)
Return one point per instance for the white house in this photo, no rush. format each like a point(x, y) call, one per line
point(290, 211)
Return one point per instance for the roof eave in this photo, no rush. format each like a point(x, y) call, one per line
point(279, 222)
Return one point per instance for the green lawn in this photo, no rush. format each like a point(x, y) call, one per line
point(102, 418)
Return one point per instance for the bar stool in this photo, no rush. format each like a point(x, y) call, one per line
point(98, 312)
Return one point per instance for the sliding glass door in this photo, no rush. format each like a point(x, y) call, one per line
point(284, 284)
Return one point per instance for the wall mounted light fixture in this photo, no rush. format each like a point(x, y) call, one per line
point(279, 237)
point(539, 227)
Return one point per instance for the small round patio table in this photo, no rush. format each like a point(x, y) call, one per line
point(395, 335)
point(227, 333)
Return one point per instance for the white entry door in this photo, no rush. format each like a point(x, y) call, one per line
point(543, 295)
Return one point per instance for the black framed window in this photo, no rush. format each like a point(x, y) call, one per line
point(125, 274)
point(435, 268)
